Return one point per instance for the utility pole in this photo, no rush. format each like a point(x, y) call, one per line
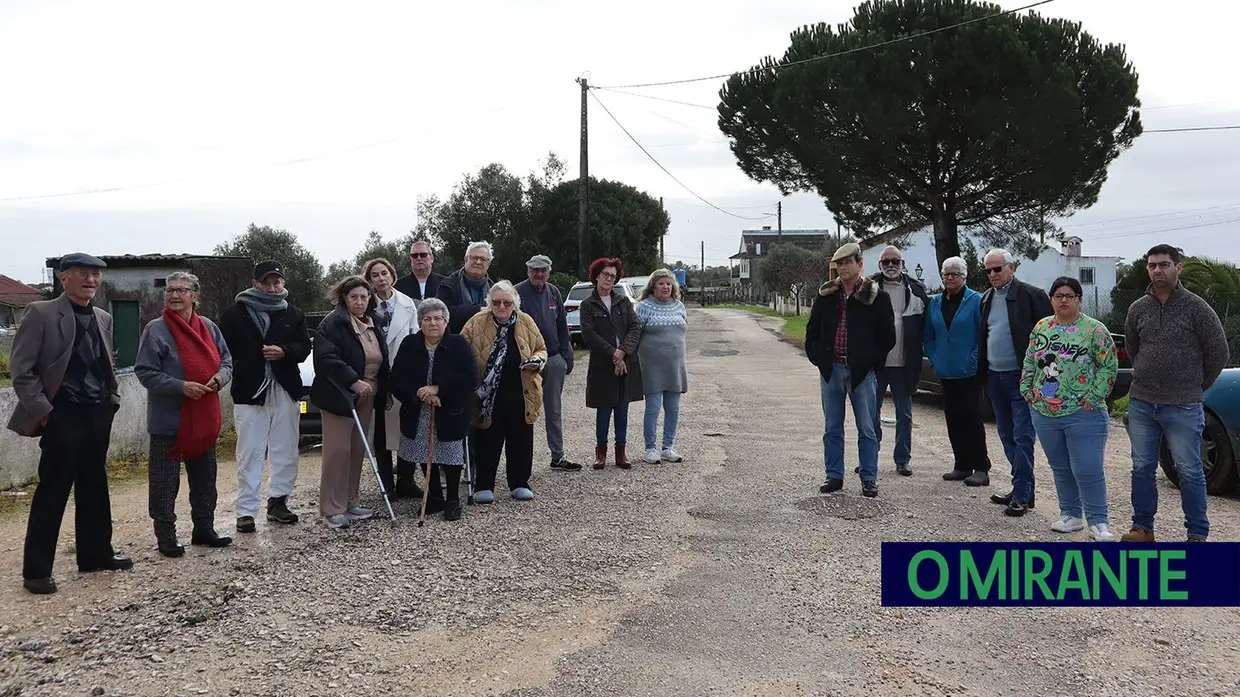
point(662, 259)
point(703, 264)
point(583, 187)
point(779, 218)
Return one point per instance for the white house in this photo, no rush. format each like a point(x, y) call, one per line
point(1096, 274)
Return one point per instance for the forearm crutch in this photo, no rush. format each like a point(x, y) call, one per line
point(374, 464)
point(469, 473)
point(430, 462)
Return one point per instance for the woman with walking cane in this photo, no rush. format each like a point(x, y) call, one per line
point(433, 377)
point(510, 354)
point(350, 373)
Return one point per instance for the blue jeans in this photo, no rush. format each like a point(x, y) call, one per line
point(1181, 425)
point(1016, 432)
point(902, 396)
point(670, 403)
point(1075, 446)
point(864, 402)
point(602, 420)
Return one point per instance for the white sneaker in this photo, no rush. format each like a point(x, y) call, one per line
point(652, 456)
point(1102, 533)
point(1068, 524)
point(670, 455)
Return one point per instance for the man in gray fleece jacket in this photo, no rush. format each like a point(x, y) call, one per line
point(1178, 349)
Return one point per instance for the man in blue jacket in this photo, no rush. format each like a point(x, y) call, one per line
point(953, 331)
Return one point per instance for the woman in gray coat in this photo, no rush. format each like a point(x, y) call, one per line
point(662, 353)
point(609, 328)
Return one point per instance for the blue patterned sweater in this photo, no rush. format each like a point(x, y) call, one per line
point(662, 347)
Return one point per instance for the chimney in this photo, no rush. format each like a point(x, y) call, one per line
point(1072, 247)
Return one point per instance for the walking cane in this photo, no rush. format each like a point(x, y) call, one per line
point(430, 462)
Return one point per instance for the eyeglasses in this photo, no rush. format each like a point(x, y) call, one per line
point(993, 270)
point(502, 303)
point(607, 274)
point(1061, 297)
point(1164, 265)
point(419, 255)
point(891, 262)
point(434, 319)
point(952, 274)
point(178, 291)
point(479, 258)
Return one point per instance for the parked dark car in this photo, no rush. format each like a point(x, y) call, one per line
point(311, 419)
point(1123, 379)
point(1220, 441)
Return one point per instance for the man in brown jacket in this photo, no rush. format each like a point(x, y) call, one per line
point(65, 381)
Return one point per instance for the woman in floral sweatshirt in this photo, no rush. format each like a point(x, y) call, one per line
point(1068, 374)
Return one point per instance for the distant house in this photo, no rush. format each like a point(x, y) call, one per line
point(1097, 274)
point(14, 297)
point(756, 244)
point(133, 292)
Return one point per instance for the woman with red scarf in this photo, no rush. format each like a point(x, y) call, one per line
point(183, 363)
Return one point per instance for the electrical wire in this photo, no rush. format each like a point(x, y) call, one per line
point(1196, 128)
point(1226, 206)
point(665, 170)
point(837, 54)
point(658, 99)
point(1164, 230)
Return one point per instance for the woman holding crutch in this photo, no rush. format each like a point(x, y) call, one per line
point(350, 372)
point(435, 373)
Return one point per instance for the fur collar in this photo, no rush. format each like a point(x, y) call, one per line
point(865, 295)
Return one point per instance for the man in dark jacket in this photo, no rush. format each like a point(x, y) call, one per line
point(851, 330)
point(268, 339)
point(422, 283)
point(465, 290)
point(1010, 309)
point(542, 301)
point(902, 369)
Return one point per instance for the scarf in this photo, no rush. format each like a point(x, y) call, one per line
point(200, 361)
point(495, 368)
point(259, 304)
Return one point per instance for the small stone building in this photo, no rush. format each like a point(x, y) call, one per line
point(133, 290)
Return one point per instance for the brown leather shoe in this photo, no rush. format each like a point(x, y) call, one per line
point(1137, 535)
point(622, 460)
point(40, 586)
point(600, 457)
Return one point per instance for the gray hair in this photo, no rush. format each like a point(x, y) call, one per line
point(654, 278)
point(1007, 256)
point(186, 276)
point(504, 287)
point(955, 264)
point(424, 243)
point(475, 245)
point(430, 306)
point(891, 248)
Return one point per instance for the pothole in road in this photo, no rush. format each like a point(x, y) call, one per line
point(846, 507)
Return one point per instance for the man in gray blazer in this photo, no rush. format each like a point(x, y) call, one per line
point(65, 380)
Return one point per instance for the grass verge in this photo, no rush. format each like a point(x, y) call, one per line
point(793, 330)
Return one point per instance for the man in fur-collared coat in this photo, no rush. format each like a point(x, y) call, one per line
point(851, 330)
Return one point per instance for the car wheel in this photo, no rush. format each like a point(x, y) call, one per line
point(1217, 458)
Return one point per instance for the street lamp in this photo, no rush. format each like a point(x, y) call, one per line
point(919, 271)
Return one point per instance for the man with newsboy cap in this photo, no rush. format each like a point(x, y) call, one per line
point(67, 394)
point(851, 330)
point(543, 301)
point(268, 339)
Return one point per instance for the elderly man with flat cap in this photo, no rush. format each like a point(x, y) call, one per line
point(268, 339)
point(544, 302)
point(67, 394)
point(851, 330)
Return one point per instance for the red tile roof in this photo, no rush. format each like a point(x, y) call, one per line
point(16, 293)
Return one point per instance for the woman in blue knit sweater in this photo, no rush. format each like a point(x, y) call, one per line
point(661, 352)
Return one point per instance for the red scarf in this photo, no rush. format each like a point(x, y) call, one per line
point(200, 361)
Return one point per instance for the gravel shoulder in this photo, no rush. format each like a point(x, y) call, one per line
point(726, 574)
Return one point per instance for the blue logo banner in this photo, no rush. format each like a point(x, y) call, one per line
point(1199, 574)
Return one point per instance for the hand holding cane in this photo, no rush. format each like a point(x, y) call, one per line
point(430, 462)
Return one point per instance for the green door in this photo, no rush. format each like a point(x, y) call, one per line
point(125, 332)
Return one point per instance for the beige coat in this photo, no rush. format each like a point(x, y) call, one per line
point(40, 357)
point(480, 332)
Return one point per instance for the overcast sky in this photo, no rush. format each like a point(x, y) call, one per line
point(200, 108)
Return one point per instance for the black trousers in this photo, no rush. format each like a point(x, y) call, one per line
point(510, 434)
point(383, 456)
point(165, 484)
point(962, 408)
point(75, 456)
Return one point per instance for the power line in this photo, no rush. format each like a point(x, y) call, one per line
point(659, 99)
point(1170, 214)
point(1197, 128)
point(833, 55)
point(1163, 230)
point(665, 170)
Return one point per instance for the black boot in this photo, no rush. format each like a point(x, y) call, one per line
point(209, 538)
point(277, 510)
point(170, 548)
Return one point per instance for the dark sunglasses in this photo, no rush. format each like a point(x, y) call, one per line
point(891, 262)
point(994, 270)
point(419, 255)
